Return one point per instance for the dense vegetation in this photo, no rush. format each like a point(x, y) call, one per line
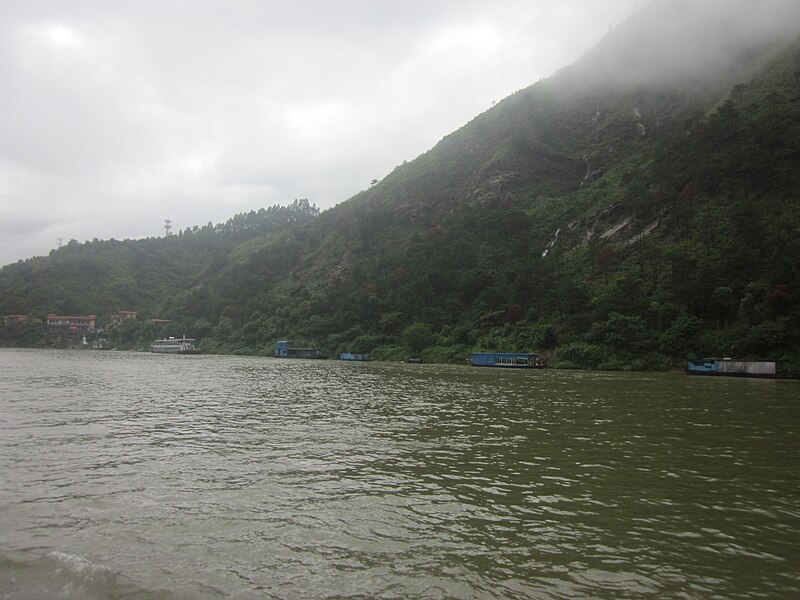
point(611, 224)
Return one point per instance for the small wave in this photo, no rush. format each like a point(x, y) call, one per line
point(63, 576)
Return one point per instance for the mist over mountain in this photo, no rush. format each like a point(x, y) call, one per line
point(637, 208)
point(685, 41)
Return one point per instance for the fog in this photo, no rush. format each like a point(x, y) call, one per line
point(672, 41)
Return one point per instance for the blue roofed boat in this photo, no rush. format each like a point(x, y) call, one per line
point(513, 360)
point(352, 356)
point(735, 368)
point(285, 349)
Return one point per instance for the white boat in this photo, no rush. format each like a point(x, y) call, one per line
point(174, 345)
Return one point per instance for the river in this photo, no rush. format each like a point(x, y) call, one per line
point(130, 475)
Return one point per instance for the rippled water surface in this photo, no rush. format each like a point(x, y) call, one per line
point(138, 476)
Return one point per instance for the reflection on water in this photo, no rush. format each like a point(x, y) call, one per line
point(207, 477)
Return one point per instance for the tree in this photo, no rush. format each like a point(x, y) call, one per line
point(722, 304)
point(417, 337)
point(624, 332)
point(679, 338)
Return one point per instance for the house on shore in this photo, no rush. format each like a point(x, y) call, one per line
point(63, 323)
point(15, 320)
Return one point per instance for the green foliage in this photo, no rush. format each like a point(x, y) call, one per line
point(680, 338)
point(766, 337)
point(624, 333)
point(24, 336)
point(134, 333)
point(456, 353)
point(580, 355)
point(417, 337)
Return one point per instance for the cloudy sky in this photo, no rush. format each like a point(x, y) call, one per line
point(116, 115)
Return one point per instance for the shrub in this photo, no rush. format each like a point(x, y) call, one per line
point(417, 337)
point(579, 355)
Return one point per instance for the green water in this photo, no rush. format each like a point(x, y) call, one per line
point(133, 475)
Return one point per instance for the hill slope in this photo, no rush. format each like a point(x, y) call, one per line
point(635, 208)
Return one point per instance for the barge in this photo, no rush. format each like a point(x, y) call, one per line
point(354, 356)
point(727, 367)
point(285, 349)
point(513, 360)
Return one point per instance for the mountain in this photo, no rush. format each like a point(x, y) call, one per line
point(634, 209)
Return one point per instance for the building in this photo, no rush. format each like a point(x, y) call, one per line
point(15, 320)
point(118, 318)
point(67, 323)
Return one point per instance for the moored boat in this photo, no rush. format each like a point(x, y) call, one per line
point(517, 360)
point(352, 356)
point(286, 349)
point(173, 345)
point(728, 367)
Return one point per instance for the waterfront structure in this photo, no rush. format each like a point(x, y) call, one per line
point(506, 359)
point(173, 345)
point(285, 349)
point(65, 323)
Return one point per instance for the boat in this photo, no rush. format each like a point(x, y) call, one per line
point(286, 349)
point(352, 356)
point(513, 360)
point(728, 367)
point(173, 345)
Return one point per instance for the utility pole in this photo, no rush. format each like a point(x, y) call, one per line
point(168, 226)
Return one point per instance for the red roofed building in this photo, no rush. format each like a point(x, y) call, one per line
point(63, 323)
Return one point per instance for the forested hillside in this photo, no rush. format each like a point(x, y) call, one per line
point(637, 208)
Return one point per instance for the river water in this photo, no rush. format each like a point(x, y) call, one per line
point(126, 475)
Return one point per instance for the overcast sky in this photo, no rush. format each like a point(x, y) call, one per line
point(116, 115)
